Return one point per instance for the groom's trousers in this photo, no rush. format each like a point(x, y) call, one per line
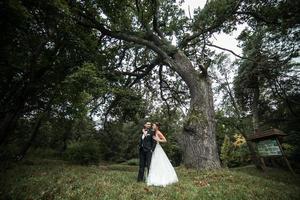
point(145, 160)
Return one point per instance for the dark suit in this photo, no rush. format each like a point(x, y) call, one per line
point(146, 147)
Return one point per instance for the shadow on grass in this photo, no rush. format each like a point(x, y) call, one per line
point(274, 174)
point(119, 167)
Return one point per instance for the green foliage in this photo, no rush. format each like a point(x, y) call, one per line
point(272, 70)
point(285, 118)
point(234, 154)
point(133, 161)
point(43, 153)
point(42, 47)
point(56, 133)
point(226, 151)
point(119, 141)
point(240, 156)
point(217, 14)
point(118, 12)
point(86, 152)
point(8, 152)
point(129, 106)
point(270, 60)
point(276, 15)
point(288, 149)
point(84, 84)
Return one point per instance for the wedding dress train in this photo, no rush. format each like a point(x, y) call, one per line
point(161, 172)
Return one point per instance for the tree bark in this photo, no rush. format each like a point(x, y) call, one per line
point(34, 133)
point(198, 136)
point(255, 122)
point(35, 129)
point(7, 125)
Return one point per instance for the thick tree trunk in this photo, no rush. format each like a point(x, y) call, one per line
point(9, 120)
point(7, 125)
point(66, 136)
point(255, 122)
point(35, 129)
point(34, 133)
point(198, 138)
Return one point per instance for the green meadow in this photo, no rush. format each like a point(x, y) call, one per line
point(56, 179)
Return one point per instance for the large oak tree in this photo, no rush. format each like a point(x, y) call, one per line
point(153, 25)
point(180, 44)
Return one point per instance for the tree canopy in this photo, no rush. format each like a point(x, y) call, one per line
point(120, 60)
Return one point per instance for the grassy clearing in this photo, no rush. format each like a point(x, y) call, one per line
point(53, 179)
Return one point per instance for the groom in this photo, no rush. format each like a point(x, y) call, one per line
point(146, 147)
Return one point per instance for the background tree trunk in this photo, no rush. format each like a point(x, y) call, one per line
point(255, 122)
point(254, 108)
point(7, 125)
point(34, 133)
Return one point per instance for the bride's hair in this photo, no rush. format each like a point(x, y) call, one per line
point(158, 125)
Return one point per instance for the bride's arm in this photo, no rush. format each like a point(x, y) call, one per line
point(160, 137)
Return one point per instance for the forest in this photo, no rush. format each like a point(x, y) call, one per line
point(79, 79)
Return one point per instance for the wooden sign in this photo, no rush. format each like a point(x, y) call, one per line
point(268, 147)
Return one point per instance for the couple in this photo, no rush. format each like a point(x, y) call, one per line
point(151, 155)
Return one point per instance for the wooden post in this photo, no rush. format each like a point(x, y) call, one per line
point(263, 164)
point(273, 162)
point(284, 157)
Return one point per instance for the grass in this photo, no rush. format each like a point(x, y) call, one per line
point(54, 179)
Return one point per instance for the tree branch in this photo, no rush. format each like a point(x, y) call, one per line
point(174, 93)
point(224, 49)
point(257, 17)
point(149, 39)
point(161, 89)
point(155, 19)
point(216, 24)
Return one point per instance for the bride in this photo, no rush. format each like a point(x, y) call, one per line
point(161, 172)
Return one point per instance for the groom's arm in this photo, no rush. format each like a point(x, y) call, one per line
point(153, 143)
point(140, 140)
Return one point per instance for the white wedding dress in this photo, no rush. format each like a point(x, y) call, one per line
point(161, 172)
